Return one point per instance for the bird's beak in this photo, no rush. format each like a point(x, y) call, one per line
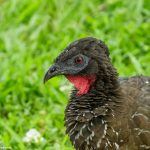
point(53, 71)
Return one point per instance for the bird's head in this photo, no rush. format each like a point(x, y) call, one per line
point(81, 62)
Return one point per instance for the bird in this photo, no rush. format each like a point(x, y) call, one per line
point(104, 111)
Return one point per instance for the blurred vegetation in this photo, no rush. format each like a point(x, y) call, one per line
point(33, 33)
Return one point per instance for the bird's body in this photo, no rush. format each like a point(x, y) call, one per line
point(119, 122)
point(104, 112)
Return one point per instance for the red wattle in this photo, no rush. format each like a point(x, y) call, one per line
point(81, 82)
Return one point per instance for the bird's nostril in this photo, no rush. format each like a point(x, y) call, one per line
point(53, 69)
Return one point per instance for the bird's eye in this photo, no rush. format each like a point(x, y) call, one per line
point(78, 60)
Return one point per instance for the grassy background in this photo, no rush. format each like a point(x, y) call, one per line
point(33, 32)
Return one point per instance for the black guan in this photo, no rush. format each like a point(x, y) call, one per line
point(104, 112)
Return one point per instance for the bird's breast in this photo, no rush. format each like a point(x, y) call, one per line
point(97, 129)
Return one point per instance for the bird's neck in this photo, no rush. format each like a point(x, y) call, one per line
point(82, 83)
point(99, 93)
point(95, 90)
point(104, 90)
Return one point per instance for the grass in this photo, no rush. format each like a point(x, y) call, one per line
point(33, 33)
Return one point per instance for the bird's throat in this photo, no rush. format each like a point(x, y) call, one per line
point(82, 82)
